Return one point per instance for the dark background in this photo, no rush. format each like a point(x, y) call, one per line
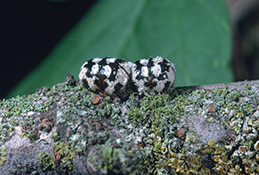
point(29, 30)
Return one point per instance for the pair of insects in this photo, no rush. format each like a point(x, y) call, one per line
point(113, 77)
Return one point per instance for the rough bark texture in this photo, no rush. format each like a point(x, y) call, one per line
point(65, 129)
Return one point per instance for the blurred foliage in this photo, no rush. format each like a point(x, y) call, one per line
point(193, 34)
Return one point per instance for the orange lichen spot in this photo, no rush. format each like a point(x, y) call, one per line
point(26, 127)
point(211, 109)
point(139, 144)
point(45, 122)
point(207, 90)
point(96, 100)
point(180, 132)
point(56, 155)
point(97, 123)
point(243, 148)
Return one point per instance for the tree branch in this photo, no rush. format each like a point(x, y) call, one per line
point(66, 129)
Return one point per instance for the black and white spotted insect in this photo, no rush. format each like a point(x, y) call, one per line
point(112, 76)
point(153, 75)
point(109, 76)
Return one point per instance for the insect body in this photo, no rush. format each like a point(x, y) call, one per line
point(112, 76)
point(153, 75)
point(109, 76)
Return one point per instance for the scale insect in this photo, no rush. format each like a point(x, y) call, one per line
point(113, 77)
point(109, 76)
point(153, 75)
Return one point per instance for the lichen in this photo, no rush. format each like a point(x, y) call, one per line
point(2, 155)
point(46, 161)
point(66, 155)
point(115, 157)
point(157, 133)
point(153, 134)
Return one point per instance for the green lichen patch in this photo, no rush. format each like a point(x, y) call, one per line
point(151, 108)
point(67, 155)
point(46, 161)
point(2, 155)
point(114, 157)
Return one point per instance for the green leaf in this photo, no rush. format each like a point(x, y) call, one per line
point(193, 34)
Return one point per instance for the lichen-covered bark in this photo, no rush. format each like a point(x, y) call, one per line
point(65, 129)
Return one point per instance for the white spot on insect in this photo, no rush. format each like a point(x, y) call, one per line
point(95, 69)
point(106, 70)
point(123, 80)
point(110, 60)
point(143, 61)
point(144, 71)
point(156, 70)
point(96, 60)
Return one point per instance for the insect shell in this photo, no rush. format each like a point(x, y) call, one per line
point(109, 76)
point(153, 75)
